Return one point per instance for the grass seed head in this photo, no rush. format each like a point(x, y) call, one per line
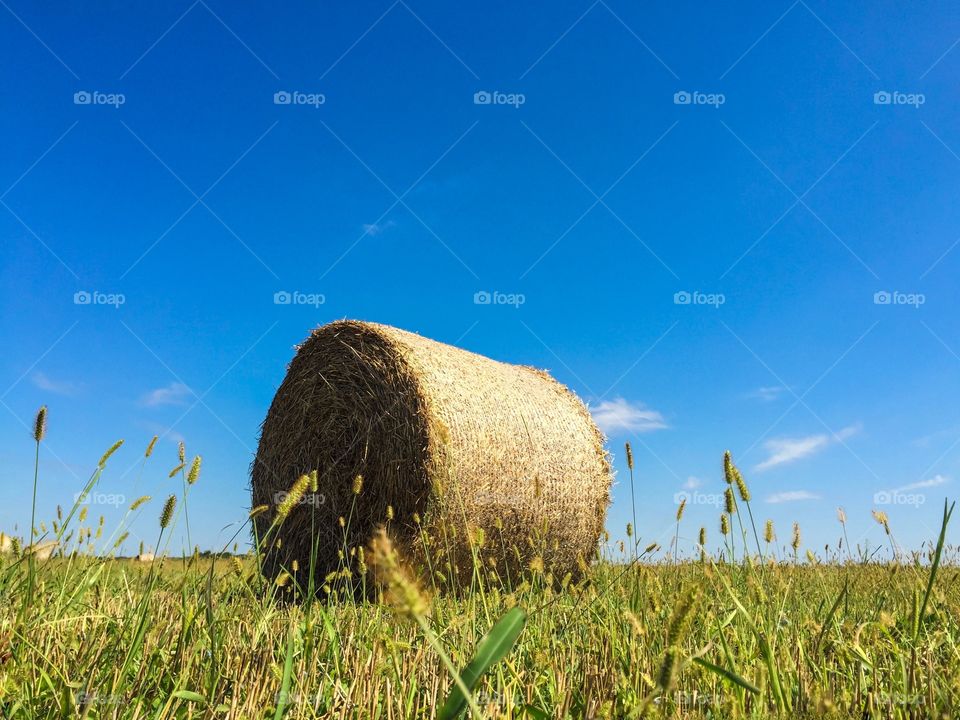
point(149, 451)
point(40, 424)
point(167, 513)
point(795, 542)
point(402, 590)
point(138, 502)
point(683, 505)
point(182, 452)
point(106, 456)
point(294, 496)
point(358, 485)
point(768, 535)
point(194, 471)
point(629, 456)
point(728, 505)
point(724, 524)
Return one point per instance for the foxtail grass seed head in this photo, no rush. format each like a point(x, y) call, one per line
point(358, 485)
point(724, 524)
point(167, 515)
point(668, 670)
point(182, 452)
point(40, 424)
point(683, 505)
point(629, 529)
point(106, 456)
point(629, 456)
point(194, 471)
point(728, 506)
point(842, 515)
point(703, 537)
point(650, 548)
point(881, 517)
point(402, 590)
point(811, 558)
point(258, 510)
point(682, 617)
point(83, 513)
point(742, 487)
point(390, 514)
point(727, 467)
point(768, 535)
point(294, 496)
point(138, 502)
point(795, 543)
point(177, 469)
point(314, 481)
point(149, 450)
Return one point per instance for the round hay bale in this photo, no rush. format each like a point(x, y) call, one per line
point(450, 445)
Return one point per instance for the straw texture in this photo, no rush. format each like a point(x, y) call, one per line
point(492, 458)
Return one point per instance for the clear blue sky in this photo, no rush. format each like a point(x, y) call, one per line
point(786, 188)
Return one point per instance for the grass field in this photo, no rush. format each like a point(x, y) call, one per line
point(744, 633)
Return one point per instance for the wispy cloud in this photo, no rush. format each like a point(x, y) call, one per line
point(617, 415)
point(59, 387)
point(791, 496)
point(769, 393)
point(692, 483)
point(176, 393)
point(378, 228)
point(786, 450)
point(931, 482)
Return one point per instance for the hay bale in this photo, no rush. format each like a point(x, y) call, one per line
point(145, 557)
point(459, 440)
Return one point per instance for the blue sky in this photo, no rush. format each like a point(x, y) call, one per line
point(724, 227)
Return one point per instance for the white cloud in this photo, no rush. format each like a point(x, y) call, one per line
point(59, 387)
point(176, 393)
point(377, 228)
point(785, 450)
point(614, 415)
point(692, 483)
point(932, 482)
point(768, 394)
point(791, 496)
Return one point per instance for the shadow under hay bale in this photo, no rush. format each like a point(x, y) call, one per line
point(470, 447)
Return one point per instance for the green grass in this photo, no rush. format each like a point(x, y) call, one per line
point(103, 637)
